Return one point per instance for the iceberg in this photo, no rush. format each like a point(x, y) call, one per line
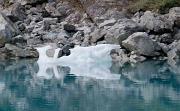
point(90, 54)
point(91, 62)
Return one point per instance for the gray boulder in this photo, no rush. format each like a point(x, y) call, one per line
point(97, 35)
point(86, 41)
point(174, 54)
point(6, 33)
point(60, 9)
point(107, 23)
point(78, 36)
point(141, 43)
point(63, 35)
point(174, 16)
point(119, 55)
point(8, 23)
point(15, 51)
point(166, 38)
point(15, 12)
point(157, 23)
point(50, 36)
point(75, 18)
point(34, 41)
point(174, 51)
point(121, 31)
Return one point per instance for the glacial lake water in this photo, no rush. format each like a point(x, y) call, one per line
point(146, 86)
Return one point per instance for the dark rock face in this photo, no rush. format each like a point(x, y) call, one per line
point(69, 27)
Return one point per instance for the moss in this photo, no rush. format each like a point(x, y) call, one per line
point(159, 6)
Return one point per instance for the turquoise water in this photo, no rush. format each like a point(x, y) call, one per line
point(146, 86)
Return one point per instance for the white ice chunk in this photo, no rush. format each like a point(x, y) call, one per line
point(96, 53)
point(93, 61)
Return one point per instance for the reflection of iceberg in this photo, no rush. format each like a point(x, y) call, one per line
point(98, 71)
point(79, 54)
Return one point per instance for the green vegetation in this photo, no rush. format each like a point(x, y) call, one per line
point(159, 6)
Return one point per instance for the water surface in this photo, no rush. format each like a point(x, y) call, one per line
point(146, 86)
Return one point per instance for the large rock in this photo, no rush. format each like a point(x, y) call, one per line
point(15, 51)
point(174, 53)
point(174, 15)
point(157, 23)
point(56, 36)
point(97, 35)
point(8, 23)
point(5, 30)
point(119, 55)
point(59, 10)
point(141, 43)
point(166, 38)
point(121, 31)
point(15, 12)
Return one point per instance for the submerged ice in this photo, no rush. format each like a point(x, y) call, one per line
point(90, 54)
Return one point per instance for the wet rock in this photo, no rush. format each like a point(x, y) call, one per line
point(119, 55)
point(136, 57)
point(140, 42)
point(21, 53)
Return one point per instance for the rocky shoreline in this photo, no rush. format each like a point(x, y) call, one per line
point(25, 25)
